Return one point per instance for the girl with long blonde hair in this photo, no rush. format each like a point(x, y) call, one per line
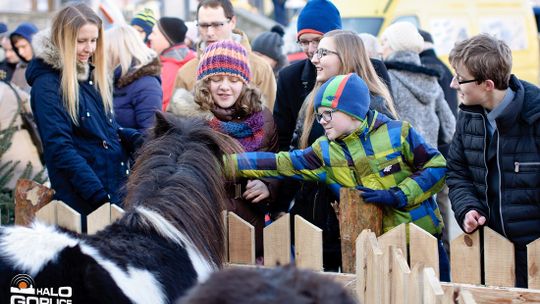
point(72, 103)
point(342, 52)
point(136, 69)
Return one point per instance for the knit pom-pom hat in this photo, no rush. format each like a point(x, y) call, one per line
point(346, 93)
point(318, 17)
point(224, 58)
point(403, 36)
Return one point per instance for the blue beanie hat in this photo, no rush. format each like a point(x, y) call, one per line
point(318, 17)
point(346, 93)
point(146, 21)
point(25, 30)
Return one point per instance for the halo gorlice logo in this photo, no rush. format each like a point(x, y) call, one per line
point(23, 291)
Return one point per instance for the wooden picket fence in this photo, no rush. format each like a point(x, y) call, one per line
point(387, 269)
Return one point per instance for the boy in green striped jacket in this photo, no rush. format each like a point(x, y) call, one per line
point(386, 159)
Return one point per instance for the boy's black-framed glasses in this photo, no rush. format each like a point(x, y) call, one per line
point(464, 81)
point(326, 115)
point(216, 25)
point(320, 53)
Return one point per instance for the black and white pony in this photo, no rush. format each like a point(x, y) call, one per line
point(170, 238)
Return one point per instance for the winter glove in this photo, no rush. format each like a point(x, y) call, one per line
point(131, 139)
point(390, 198)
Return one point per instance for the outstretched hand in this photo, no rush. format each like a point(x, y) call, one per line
point(381, 197)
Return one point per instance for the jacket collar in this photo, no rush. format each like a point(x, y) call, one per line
point(237, 36)
point(44, 49)
point(153, 68)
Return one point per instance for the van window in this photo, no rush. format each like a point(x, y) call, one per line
point(371, 25)
point(411, 19)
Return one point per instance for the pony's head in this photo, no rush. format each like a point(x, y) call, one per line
point(178, 175)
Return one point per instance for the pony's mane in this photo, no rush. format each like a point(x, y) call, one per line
point(179, 175)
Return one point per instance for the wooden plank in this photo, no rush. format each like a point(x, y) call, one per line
point(499, 264)
point(116, 212)
point(47, 214)
point(465, 264)
point(400, 277)
point(241, 240)
point(361, 264)
point(416, 294)
point(68, 218)
point(225, 218)
point(465, 297)
point(355, 216)
point(277, 242)
point(533, 264)
point(308, 244)
point(423, 248)
point(396, 237)
point(98, 219)
point(29, 198)
point(374, 282)
point(490, 295)
point(433, 292)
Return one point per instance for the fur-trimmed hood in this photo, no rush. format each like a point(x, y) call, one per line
point(183, 104)
point(153, 68)
point(45, 50)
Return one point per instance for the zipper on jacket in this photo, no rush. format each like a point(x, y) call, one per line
point(500, 186)
point(485, 164)
point(518, 164)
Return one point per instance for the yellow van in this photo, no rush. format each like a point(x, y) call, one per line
point(453, 20)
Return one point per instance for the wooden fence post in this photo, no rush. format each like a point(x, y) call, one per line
point(533, 264)
point(465, 264)
point(374, 283)
point(277, 242)
point(102, 217)
point(423, 248)
point(60, 214)
point(433, 293)
point(499, 261)
point(241, 240)
point(355, 216)
point(361, 264)
point(29, 198)
point(308, 244)
point(400, 277)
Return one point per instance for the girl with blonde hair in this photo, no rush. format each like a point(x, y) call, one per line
point(72, 103)
point(137, 93)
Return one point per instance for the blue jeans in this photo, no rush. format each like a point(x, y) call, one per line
point(444, 263)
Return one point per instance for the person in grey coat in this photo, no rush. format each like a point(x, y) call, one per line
point(418, 97)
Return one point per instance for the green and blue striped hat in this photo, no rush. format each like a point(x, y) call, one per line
point(346, 93)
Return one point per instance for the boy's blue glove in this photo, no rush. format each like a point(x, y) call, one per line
point(390, 198)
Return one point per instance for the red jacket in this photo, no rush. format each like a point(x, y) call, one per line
point(172, 60)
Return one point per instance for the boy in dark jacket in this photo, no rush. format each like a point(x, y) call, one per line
point(494, 159)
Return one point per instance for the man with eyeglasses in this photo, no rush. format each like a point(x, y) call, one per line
point(494, 159)
point(216, 22)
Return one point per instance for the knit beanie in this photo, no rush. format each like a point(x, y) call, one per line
point(25, 30)
point(270, 43)
point(145, 20)
point(224, 57)
point(318, 17)
point(173, 29)
point(403, 36)
point(346, 93)
point(3, 28)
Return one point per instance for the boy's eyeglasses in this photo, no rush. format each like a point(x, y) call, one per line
point(216, 25)
point(457, 78)
point(320, 53)
point(326, 115)
point(305, 43)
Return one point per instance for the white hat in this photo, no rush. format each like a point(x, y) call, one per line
point(403, 36)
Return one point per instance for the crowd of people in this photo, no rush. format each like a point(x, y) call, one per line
point(384, 116)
